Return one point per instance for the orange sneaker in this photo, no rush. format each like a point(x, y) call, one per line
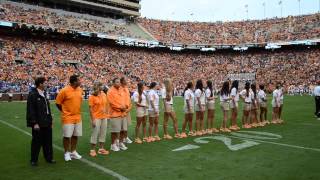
point(177, 135)
point(103, 152)
point(199, 133)
point(214, 130)
point(191, 133)
point(233, 128)
point(209, 131)
point(183, 135)
point(93, 153)
point(167, 136)
point(204, 132)
point(146, 139)
point(222, 129)
point(157, 138)
point(227, 130)
point(151, 139)
point(138, 141)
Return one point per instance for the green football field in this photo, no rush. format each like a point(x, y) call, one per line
point(288, 151)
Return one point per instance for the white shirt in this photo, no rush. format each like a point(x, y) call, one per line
point(235, 94)
point(275, 96)
point(136, 98)
point(247, 99)
point(200, 94)
point(281, 94)
point(164, 94)
point(153, 96)
point(316, 91)
point(224, 98)
point(262, 96)
point(188, 96)
point(208, 94)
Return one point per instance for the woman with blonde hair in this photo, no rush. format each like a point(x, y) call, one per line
point(167, 96)
point(98, 116)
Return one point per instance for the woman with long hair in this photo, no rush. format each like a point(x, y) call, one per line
point(234, 105)
point(225, 105)
point(153, 98)
point(167, 96)
point(262, 98)
point(210, 100)
point(140, 99)
point(254, 107)
point(200, 107)
point(246, 95)
point(188, 110)
point(276, 105)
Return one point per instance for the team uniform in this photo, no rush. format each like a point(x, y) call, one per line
point(153, 97)
point(168, 104)
point(200, 94)
point(247, 100)
point(141, 111)
point(276, 98)
point(225, 102)
point(211, 102)
point(234, 94)
point(189, 96)
point(262, 97)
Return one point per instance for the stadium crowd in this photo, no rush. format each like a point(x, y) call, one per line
point(28, 57)
point(62, 20)
point(234, 33)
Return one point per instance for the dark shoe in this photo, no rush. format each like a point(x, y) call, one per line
point(34, 163)
point(51, 161)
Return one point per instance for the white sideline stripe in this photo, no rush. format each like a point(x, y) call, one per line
point(89, 163)
point(275, 143)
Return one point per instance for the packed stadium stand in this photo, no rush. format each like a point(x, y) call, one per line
point(46, 47)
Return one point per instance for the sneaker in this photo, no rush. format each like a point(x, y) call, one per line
point(157, 138)
point(145, 139)
point(214, 130)
point(167, 136)
point(227, 130)
point(138, 141)
point(128, 140)
point(122, 146)
point(177, 135)
point(93, 153)
point(222, 129)
point(266, 122)
point(209, 131)
point(75, 155)
point(103, 152)
point(117, 142)
point(204, 132)
point(183, 135)
point(67, 156)
point(199, 133)
point(152, 139)
point(114, 147)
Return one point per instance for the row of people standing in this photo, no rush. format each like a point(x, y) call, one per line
point(198, 100)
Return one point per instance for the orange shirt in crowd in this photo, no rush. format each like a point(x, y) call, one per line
point(116, 101)
point(70, 99)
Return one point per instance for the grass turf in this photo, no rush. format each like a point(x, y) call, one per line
point(157, 160)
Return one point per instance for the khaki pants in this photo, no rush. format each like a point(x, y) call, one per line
point(99, 131)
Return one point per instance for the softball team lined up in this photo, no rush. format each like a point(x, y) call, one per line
point(199, 99)
point(115, 105)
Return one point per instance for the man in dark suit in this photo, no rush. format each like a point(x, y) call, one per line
point(40, 120)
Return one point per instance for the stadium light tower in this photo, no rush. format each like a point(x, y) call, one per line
point(299, 3)
point(280, 4)
point(247, 10)
point(264, 9)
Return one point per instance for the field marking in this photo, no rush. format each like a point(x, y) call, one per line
point(86, 161)
point(275, 143)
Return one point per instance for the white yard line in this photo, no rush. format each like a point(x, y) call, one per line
point(86, 161)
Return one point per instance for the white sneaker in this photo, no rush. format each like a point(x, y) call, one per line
point(75, 155)
point(114, 147)
point(67, 156)
point(127, 140)
point(122, 146)
point(117, 142)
